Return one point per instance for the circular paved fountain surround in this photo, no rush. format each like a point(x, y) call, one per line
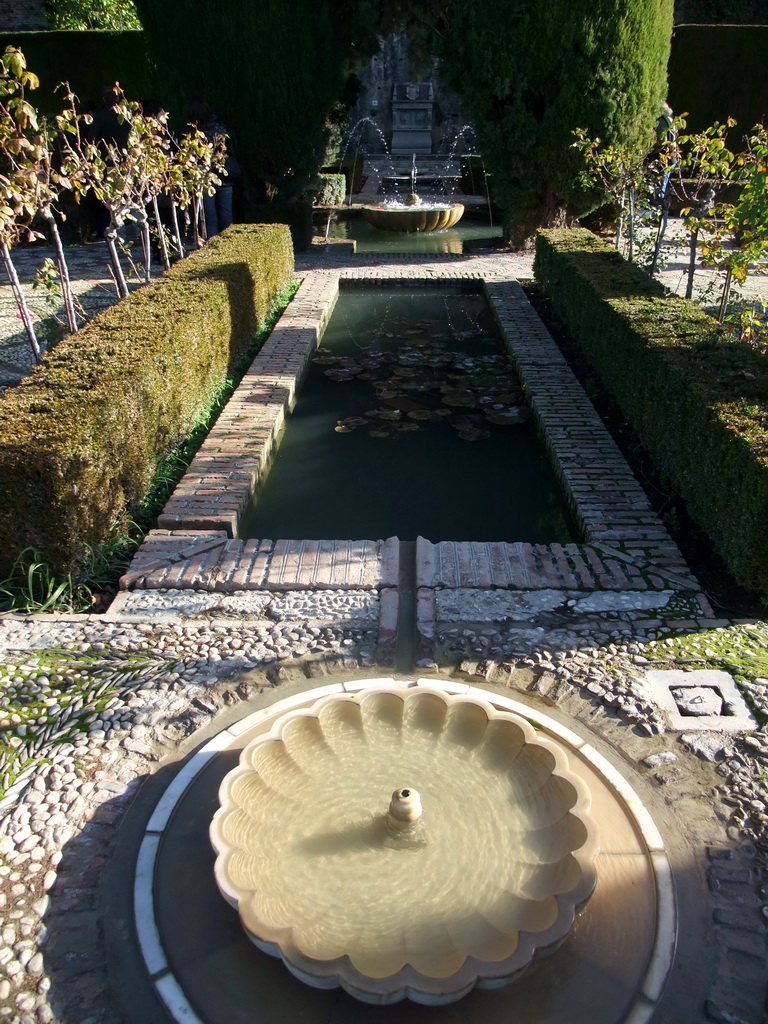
point(204, 968)
point(504, 855)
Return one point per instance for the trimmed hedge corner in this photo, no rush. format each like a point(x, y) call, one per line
point(81, 436)
point(697, 399)
point(329, 190)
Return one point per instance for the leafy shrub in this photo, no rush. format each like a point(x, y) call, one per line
point(697, 399)
point(329, 190)
point(81, 436)
point(88, 61)
point(351, 166)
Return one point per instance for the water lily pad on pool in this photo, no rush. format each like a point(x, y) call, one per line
point(355, 421)
point(408, 426)
point(508, 397)
point(378, 433)
point(506, 417)
point(459, 397)
point(420, 414)
point(390, 414)
point(341, 374)
point(341, 428)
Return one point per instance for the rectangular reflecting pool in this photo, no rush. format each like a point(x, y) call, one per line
point(411, 422)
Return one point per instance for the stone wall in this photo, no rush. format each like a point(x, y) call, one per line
point(391, 66)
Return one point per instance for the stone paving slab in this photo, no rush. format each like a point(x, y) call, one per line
point(341, 607)
point(465, 605)
point(209, 561)
point(537, 566)
point(675, 691)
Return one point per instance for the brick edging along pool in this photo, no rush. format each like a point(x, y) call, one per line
point(625, 544)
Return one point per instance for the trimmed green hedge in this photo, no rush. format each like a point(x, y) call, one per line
point(718, 71)
point(697, 399)
point(81, 436)
point(351, 167)
point(88, 61)
point(329, 190)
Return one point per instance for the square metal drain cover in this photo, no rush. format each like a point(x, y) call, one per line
point(703, 699)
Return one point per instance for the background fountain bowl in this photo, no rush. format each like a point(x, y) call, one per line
point(413, 218)
point(303, 853)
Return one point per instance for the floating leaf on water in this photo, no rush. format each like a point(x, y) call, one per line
point(340, 428)
point(378, 433)
point(341, 374)
point(354, 421)
point(366, 376)
point(506, 417)
point(390, 414)
point(459, 397)
point(386, 393)
point(508, 397)
point(442, 413)
point(420, 414)
point(324, 360)
point(468, 423)
point(408, 426)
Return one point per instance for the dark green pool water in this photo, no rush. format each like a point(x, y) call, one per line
point(391, 435)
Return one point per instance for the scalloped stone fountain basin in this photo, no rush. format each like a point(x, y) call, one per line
point(400, 217)
point(466, 893)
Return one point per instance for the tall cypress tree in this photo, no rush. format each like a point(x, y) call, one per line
point(530, 72)
point(272, 71)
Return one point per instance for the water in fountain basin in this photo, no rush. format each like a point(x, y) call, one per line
point(499, 835)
